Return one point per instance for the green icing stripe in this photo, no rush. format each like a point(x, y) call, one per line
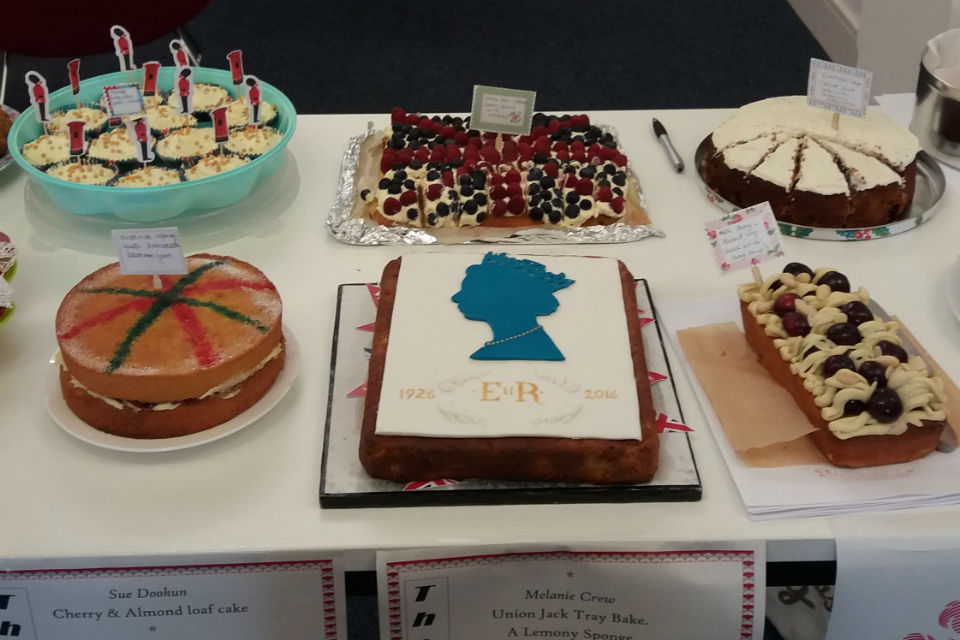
point(123, 349)
point(164, 300)
point(142, 293)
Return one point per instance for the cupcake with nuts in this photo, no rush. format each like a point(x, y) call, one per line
point(186, 146)
point(213, 165)
point(114, 149)
point(149, 176)
point(253, 142)
point(90, 173)
point(47, 150)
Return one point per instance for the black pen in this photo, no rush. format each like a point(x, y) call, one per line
point(661, 133)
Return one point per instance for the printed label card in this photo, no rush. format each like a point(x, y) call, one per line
point(150, 251)
point(124, 100)
point(477, 594)
point(502, 110)
point(297, 600)
point(838, 87)
point(745, 238)
point(898, 586)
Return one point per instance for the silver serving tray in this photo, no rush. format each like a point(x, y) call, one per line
point(348, 228)
point(927, 197)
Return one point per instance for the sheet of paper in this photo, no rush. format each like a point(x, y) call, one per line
point(150, 251)
point(896, 587)
point(246, 601)
point(478, 594)
point(811, 489)
point(745, 237)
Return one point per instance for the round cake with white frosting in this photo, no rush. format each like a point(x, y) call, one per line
point(860, 174)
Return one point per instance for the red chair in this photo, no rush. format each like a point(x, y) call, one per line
point(62, 28)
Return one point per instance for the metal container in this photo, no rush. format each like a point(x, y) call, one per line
point(936, 117)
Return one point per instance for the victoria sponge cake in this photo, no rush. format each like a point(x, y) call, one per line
point(145, 362)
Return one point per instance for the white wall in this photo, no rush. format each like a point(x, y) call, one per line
point(885, 37)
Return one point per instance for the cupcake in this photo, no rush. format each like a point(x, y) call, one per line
point(238, 114)
point(91, 173)
point(206, 98)
point(251, 142)
point(47, 150)
point(188, 144)
point(213, 165)
point(114, 148)
point(149, 176)
point(5, 123)
point(8, 254)
point(95, 118)
point(164, 118)
point(8, 260)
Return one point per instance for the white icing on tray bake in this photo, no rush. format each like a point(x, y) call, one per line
point(431, 387)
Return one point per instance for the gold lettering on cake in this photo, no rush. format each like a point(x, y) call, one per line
point(524, 391)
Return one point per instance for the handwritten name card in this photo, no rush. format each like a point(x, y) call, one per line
point(838, 87)
point(150, 251)
point(745, 238)
point(502, 110)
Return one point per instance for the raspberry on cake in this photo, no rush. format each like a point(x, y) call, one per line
point(141, 362)
point(498, 180)
point(871, 402)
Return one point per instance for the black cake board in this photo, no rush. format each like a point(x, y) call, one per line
point(345, 484)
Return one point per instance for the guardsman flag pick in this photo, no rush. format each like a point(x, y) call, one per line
point(139, 134)
point(179, 51)
point(73, 69)
point(37, 87)
point(123, 47)
point(236, 66)
point(253, 99)
point(77, 139)
point(184, 90)
point(150, 72)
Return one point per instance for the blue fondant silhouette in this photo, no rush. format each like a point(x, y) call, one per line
point(508, 294)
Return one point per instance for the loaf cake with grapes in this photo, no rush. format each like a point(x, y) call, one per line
point(780, 150)
point(871, 402)
point(436, 172)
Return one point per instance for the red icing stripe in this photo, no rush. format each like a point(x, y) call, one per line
point(140, 304)
point(202, 349)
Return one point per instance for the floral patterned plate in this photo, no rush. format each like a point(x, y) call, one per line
point(927, 197)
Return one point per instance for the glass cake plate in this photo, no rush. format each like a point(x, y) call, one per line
point(69, 422)
point(927, 197)
point(345, 484)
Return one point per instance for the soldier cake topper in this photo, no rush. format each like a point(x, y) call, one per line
point(73, 70)
point(508, 294)
point(180, 53)
point(139, 134)
point(185, 90)
point(123, 47)
point(253, 99)
point(37, 88)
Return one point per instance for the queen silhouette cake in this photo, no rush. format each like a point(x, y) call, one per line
point(556, 389)
point(509, 294)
